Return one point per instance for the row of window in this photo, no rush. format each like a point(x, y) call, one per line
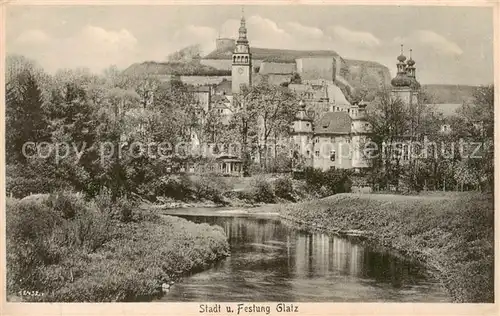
point(316, 153)
point(240, 59)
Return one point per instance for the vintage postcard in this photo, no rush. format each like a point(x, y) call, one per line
point(249, 159)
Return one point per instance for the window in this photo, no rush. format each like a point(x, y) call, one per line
point(307, 124)
point(332, 155)
point(308, 153)
point(316, 153)
point(316, 140)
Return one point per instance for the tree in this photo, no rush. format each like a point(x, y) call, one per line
point(25, 117)
point(276, 108)
point(475, 125)
point(186, 54)
point(244, 121)
point(388, 119)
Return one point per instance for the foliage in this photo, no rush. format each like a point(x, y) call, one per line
point(283, 188)
point(91, 257)
point(262, 191)
point(324, 183)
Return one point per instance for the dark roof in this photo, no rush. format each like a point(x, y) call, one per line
point(224, 87)
point(333, 123)
point(219, 98)
point(270, 54)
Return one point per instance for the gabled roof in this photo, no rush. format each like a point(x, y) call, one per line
point(224, 87)
point(333, 123)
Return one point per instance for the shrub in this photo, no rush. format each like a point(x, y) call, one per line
point(262, 191)
point(209, 187)
point(283, 188)
point(104, 201)
point(125, 208)
point(29, 228)
point(65, 203)
point(324, 183)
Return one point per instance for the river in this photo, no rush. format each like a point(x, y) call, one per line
point(272, 262)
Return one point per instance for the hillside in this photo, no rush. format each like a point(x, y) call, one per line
point(175, 68)
point(448, 94)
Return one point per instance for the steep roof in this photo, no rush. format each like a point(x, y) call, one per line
point(336, 95)
point(224, 87)
point(333, 123)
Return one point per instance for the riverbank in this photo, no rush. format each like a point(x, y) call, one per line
point(88, 256)
point(450, 233)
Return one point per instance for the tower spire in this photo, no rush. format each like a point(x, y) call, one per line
point(243, 29)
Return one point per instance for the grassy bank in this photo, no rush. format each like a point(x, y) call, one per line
point(65, 249)
point(453, 234)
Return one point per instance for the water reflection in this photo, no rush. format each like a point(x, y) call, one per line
point(271, 262)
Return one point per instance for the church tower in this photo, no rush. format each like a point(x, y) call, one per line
point(242, 61)
point(405, 85)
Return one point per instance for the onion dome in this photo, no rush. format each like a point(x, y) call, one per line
point(401, 80)
point(402, 57)
point(410, 61)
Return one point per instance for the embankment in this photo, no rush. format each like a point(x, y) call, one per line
point(71, 250)
point(453, 234)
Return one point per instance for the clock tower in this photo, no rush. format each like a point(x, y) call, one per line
point(241, 73)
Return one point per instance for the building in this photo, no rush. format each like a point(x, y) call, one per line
point(333, 140)
point(405, 85)
point(241, 70)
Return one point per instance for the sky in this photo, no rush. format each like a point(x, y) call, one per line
point(451, 45)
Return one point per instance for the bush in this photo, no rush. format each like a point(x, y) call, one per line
point(283, 188)
point(85, 258)
point(66, 204)
point(125, 208)
point(262, 191)
point(324, 183)
point(209, 187)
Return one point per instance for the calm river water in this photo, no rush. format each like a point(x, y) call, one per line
point(272, 262)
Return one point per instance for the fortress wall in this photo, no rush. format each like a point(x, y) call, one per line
point(203, 80)
point(221, 64)
point(316, 68)
point(225, 64)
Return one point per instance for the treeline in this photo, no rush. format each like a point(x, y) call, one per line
point(175, 68)
point(417, 148)
point(84, 114)
point(77, 130)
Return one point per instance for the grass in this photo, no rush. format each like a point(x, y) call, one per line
point(452, 234)
point(90, 255)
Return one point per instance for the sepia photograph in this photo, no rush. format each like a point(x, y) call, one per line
point(263, 156)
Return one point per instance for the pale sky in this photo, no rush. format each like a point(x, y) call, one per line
point(451, 45)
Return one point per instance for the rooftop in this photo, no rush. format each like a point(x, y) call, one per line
point(333, 123)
